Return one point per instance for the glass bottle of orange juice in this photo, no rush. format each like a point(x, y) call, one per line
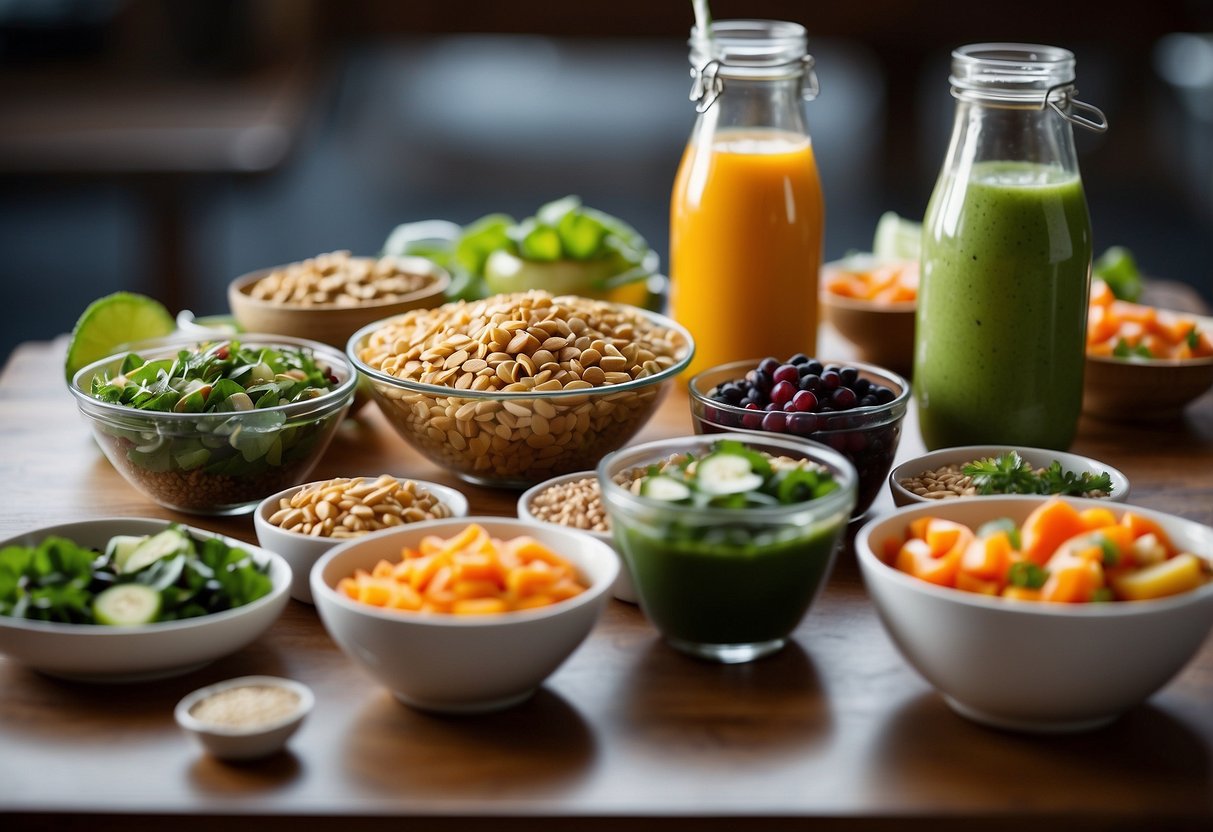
point(746, 214)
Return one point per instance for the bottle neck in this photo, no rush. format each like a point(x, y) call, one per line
point(757, 103)
point(985, 132)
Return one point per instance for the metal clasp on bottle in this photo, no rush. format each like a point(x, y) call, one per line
point(707, 85)
point(1060, 99)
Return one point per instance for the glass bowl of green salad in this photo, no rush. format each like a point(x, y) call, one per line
point(729, 537)
point(214, 426)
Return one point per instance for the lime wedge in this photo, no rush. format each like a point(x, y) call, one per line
point(112, 321)
point(897, 238)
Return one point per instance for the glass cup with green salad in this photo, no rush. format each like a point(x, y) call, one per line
point(729, 536)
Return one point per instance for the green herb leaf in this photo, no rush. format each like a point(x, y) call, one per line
point(1011, 474)
point(1027, 575)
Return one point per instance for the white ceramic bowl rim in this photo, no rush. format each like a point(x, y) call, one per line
point(321, 405)
point(408, 263)
point(1113, 609)
point(502, 619)
point(844, 473)
point(354, 344)
point(263, 556)
point(894, 408)
point(187, 720)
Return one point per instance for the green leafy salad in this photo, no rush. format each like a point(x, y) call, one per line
point(222, 377)
point(732, 475)
point(235, 389)
point(566, 248)
point(137, 579)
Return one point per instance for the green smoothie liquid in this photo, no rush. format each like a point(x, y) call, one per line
point(718, 593)
point(1002, 309)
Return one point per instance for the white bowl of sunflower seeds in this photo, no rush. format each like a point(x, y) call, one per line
point(940, 475)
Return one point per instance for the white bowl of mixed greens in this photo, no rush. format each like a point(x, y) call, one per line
point(213, 427)
point(131, 599)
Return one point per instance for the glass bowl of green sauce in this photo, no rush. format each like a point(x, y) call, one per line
point(729, 536)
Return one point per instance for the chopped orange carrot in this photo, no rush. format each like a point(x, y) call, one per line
point(1021, 593)
point(1097, 518)
point(1113, 323)
point(469, 573)
point(1073, 581)
point(1140, 526)
point(915, 558)
point(886, 282)
point(988, 558)
point(1049, 525)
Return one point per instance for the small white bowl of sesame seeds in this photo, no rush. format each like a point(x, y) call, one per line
point(245, 718)
point(574, 501)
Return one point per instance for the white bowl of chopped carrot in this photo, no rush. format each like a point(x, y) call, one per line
point(1143, 363)
point(871, 302)
point(1040, 614)
point(463, 615)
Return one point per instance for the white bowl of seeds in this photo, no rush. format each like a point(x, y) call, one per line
point(940, 475)
point(574, 501)
point(245, 718)
point(302, 523)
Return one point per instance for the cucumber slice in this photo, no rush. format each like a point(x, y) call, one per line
point(127, 605)
point(165, 544)
point(897, 238)
point(664, 488)
point(120, 548)
point(725, 472)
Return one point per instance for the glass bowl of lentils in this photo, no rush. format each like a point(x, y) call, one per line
point(574, 501)
point(987, 470)
point(214, 426)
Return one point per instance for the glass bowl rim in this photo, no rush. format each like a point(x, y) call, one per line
point(316, 407)
point(448, 392)
point(802, 448)
point(895, 408)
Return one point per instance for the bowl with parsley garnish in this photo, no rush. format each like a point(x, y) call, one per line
point(989, 470)
point(215, 426)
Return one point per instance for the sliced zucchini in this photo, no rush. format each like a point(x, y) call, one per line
point(126, 605)
point(120, 548)
point(162, 545)
point(668, 489)
point(725, 472)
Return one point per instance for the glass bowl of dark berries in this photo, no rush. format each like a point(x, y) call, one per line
point(853, 407)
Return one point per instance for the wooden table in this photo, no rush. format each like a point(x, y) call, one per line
point(836, 729)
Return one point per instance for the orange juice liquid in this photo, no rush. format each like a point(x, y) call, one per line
point(746, 227)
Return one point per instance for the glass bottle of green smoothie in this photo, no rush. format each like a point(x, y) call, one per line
point(1006, 256)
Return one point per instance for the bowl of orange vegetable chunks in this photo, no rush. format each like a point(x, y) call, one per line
point(1143, 362)
point(1040, 614)
point(463, 615)
point(871, 302)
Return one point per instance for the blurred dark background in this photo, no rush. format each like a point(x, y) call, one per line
point(167, 147)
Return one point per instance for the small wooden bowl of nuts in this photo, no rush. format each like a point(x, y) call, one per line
point(574, 501)
point(304, 522)
point(329, 297)
point(940, 475)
